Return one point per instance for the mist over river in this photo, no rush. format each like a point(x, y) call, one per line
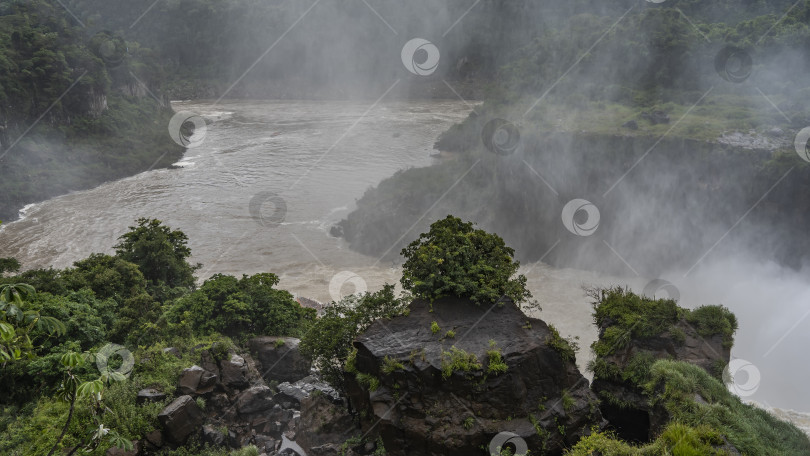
point(319, 157)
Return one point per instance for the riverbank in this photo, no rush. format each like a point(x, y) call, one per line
point(129, 137)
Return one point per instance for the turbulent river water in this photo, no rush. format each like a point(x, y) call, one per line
point(318, 158)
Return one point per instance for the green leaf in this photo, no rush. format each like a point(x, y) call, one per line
point(71, 359)
point(51, 325)
point(7, 332)
point(93, 387)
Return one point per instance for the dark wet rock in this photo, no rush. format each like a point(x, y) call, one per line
point(149, 395)
point(266, 443)
point(290, 396)
point(172, 351)
point(322, 422)
point(417, 411)
point(289, 452)
point(255, 399)
point(233, 372)
point(279, 358)
point(631, 124)
point(213, 436)
point(208, 362)
point(181, 418)
point(154, 438)
point(196, 380)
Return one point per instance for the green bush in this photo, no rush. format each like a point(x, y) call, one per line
point(676, 385)
point(159, 252)
point(566, 348)
point(714, 320)
point(328, 342)
point(454, 259)
point(458, 360)
point(239, 308)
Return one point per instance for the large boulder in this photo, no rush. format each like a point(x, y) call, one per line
point(323, 424)
point(181, 418)
point(279, 358)
point(426, 391)
point(255, 399)
point(233, 372)
point(196, 380)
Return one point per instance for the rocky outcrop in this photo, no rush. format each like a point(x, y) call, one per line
point(617, 383)
point(181, 418)
point(196, 380)
point(241, 408)
point(324, 425)
point(484, 371)
point(279, 358)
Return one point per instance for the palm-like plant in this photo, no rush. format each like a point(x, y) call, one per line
point(16, 323)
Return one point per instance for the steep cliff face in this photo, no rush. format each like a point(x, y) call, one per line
point(446, 381)
point(72, 115)
point(635, 332)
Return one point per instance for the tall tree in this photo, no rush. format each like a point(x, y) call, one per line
point(159, 252)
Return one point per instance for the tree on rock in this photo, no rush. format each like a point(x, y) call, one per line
point(455, 259)
point(159, 252)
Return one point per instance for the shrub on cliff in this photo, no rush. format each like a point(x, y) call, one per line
point(454, 259)
point(328, 343)
point(239, 308)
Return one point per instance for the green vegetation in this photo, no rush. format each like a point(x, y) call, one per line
point(454, 259)
point(54, 325)
point(677, 385)
point(328, 340)
point(390, 365)
point(566, 348)
point(95, 130)
point(701, 427)
point(623, 316)
point(458, 360)
point(434, 327)
point(159, 253)
point(495, 363)
point(714, 320)
point(239, 308)
point(468, 423)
